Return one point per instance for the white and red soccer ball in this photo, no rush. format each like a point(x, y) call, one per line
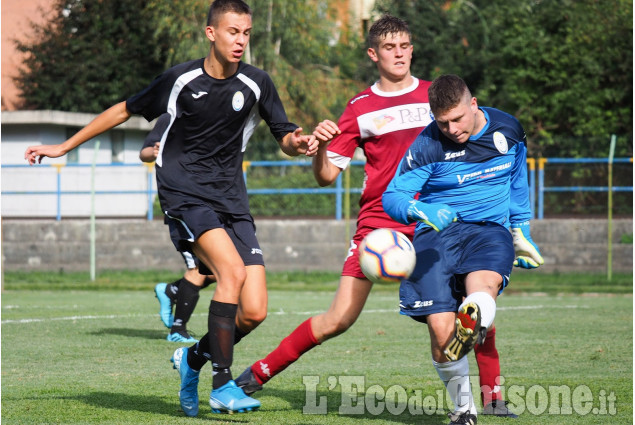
point(386, 256)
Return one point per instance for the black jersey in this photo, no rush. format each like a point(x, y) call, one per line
point(156, 133)
point(201, 153)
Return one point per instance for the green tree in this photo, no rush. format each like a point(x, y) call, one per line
point(179, 29)
point(294, 42)
point(92, 54)
point(563, 67)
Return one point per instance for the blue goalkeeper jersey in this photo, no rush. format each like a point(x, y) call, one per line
point(483, 180)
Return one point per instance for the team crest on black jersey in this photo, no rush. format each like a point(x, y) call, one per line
point(238, 101)
point(500, 141)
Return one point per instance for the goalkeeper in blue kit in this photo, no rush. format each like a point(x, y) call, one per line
point(464, 180)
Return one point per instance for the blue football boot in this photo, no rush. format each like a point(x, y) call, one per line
point(188, 395)
point(179, 337)
point(230, 398)
point(165, 305)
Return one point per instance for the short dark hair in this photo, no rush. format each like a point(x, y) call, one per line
point(220, 7)
point(446, 92)
point(384, 26)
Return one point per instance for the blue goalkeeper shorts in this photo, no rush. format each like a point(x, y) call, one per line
point(444, 258)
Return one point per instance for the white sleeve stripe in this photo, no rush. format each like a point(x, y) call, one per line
point(338, 160)
point(251, 84)
point(181, 82)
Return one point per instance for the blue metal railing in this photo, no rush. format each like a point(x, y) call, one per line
point(150, 191)
point(337, 189)
point(542, 188)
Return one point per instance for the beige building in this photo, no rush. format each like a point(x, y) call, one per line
point(17, 16)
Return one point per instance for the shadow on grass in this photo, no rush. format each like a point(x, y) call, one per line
point(149, 404)
point(368, 408)
point(132, 333)
point(296, 400)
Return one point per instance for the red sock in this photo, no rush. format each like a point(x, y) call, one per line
point(290, 349)
point(489, 369)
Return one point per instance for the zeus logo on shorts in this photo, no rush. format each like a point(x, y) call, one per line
point(419, 304)
point(255, 251)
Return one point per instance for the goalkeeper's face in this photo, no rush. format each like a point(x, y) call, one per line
point(461, 121)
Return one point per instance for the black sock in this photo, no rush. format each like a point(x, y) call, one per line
point(185, 304)
point(172, 290)
point(221, 325)
point(239, 334)
point(208, 282)
point(198, 354)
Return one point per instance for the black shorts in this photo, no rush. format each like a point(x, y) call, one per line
point(188, 225)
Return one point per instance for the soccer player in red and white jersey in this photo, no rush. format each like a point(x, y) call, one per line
point(383, 121)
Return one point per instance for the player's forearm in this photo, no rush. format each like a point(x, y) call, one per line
point(287, 145)
point(108, 119)
point(396, 204)
point(324, 171)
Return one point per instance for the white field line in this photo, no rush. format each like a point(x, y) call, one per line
point(271, 313)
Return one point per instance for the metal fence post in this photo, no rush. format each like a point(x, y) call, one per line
point(149, 169)
point(541, 187)
point(531, 163)
point(59, 191)
point(338, 197)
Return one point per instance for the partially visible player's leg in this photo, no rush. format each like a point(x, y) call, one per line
point(454, 374)
point(345, 308)
point(166, 295)
point(347, 304)
point(488, 362)
point(487, 359)
point(187, 298)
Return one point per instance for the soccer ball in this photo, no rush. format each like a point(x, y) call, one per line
point(386, 256)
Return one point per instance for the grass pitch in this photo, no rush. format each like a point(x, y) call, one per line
point(79, 356)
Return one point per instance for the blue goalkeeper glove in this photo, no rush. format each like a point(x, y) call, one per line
point(527, 253)
point(437, 216)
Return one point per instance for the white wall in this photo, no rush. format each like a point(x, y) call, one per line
point(25, 128)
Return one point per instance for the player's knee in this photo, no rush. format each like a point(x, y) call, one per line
point(254, 319)
point(337, 326)
point(234, 276)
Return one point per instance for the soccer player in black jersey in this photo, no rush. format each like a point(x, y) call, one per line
point(214, 104)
